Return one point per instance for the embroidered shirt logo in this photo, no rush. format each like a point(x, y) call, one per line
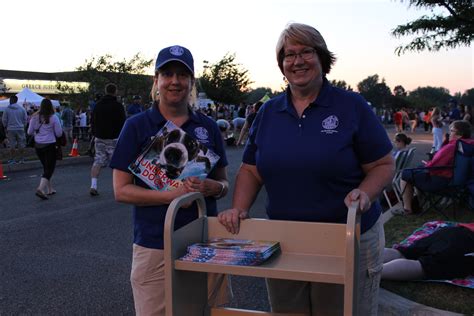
point(202, 134)
point(176, 50)
point(330, 124)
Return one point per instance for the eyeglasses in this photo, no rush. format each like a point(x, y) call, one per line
point(306, 54)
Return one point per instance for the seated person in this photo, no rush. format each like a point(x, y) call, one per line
point(446, 254)
point(432, 180)
point(401, 142)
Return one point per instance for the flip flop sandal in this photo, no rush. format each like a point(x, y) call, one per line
point(41, 195)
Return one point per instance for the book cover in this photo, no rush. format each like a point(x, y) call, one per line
point(172, 156)
point(232, 251)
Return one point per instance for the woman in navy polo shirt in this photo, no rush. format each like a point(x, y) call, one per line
point(316, 148)
point(172, 86)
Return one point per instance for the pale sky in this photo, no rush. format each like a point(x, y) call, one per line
point(58, 35)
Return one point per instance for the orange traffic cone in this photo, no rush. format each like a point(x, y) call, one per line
point(74, 152)
point(2, 176)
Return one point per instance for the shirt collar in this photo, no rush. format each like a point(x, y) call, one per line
point(321, 100)
point(159, 119)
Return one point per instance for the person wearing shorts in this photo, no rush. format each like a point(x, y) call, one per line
point(107, 121)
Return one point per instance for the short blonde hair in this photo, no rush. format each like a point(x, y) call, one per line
point(305, 35)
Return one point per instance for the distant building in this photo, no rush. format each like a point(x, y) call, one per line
point(13, 81)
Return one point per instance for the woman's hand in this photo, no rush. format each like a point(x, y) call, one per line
point(208, 187)
point(231, 219)
point(361, 197)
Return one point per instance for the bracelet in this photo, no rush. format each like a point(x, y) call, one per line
point(219, 195)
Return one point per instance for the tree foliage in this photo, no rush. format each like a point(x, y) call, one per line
point(438, 31)
point(468, 97)
point(375, 92)
point(128, 75)
point(225, 81)
point(428, 97)
point(341, 84)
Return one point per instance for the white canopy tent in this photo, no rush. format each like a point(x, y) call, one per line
point(29, 97)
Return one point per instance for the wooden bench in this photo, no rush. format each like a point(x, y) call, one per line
point(315, 252)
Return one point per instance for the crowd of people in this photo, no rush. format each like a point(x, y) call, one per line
point(326, 138)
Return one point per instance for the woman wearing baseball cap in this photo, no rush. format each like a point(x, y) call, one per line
point(172, 86)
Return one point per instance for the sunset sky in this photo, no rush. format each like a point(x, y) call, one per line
point(52, 36)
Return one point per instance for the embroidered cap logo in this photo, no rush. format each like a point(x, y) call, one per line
point(176, 50)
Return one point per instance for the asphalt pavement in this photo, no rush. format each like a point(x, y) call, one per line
point(71, 254)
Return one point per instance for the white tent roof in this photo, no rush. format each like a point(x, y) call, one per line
point(27, 96)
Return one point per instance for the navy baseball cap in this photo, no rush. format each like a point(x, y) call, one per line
point(175, 53)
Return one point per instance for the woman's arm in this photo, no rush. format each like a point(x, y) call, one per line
point(247, 185)
point(378, 174)
point(127, 192)
point(57, 126)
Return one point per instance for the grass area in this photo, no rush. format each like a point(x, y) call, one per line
point(438, 295)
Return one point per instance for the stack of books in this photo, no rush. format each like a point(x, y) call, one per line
point(232, 251)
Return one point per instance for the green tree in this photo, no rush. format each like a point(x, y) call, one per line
point(456, 28)
point(128, 75)
point(341, 84)
point(468, 97)
point(399, 91)
point(256, 94)
point(428, 97)
point(226, 81)
point(375, 92)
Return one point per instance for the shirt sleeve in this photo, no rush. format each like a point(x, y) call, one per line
point(371, 141)
point(249, 156)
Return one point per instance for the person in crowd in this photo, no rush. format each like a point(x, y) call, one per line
point(427, 121)
point(437, 123)
point(238, 123)
point(248, 123)
point(332, 146)
point(67, 116)
point(224, 127)
point(3, 135)
point(174, 79)
point(413, 120)
point(401, 142)
point(439, 256)
point(107, 121)
point(468, 114)
point(454, 112)
point(135, 107)
point(83, 128)
point(45, 127)
point(431, 180)
point(14, 121)
point(398, 120)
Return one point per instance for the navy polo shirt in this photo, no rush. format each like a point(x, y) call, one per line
point(310, 163)
point(136, 133)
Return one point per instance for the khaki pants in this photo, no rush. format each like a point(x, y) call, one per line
point(313, 299)
point(148, 283)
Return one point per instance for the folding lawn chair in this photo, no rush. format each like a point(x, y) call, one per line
point(457, 189)
point(400, 163)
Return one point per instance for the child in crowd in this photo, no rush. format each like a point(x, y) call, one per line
point(401, 142)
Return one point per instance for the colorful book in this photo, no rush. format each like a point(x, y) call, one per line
point(232, 251)
point(170, 157)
